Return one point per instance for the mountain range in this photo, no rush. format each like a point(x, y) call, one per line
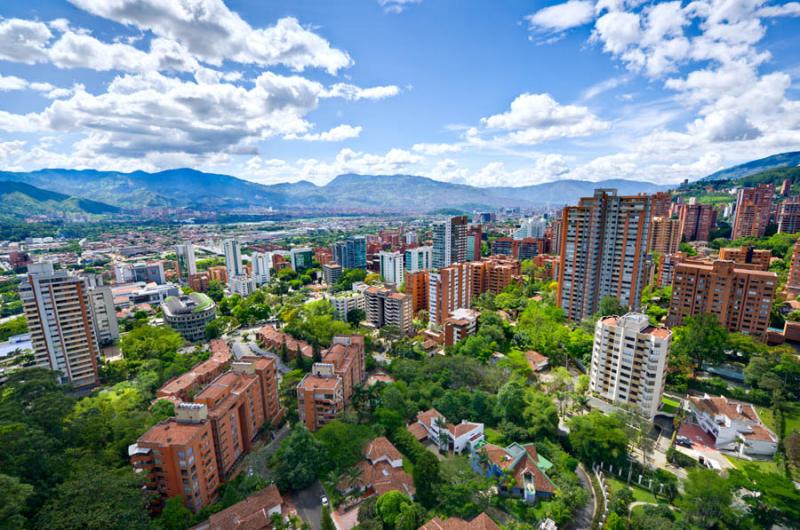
point(108, 192)
point(188, 188)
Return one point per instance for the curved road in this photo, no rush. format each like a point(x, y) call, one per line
point(583, 519)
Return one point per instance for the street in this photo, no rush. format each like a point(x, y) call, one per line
point(308, 504)
point(583, 518)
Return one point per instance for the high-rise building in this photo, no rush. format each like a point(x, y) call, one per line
point(418, 259)
point(233, 257)
point(104, 313)
point(185, 257)
point(740, 298)
point(603, 252)
point(697, 220)
point(474, 242)
point(449, 241)
point(789, 216)
point(351, 253)
point(504, 246)
point(533, 227)
point(417, 289)
point(530, 247)
point(629, 362)
point(262, 264)
point(346, 301)
point(302, 258)
point(58, 308)
point(662, 204)
point(786, 187)
point(386, 307)
point(753, 207)
point(793, 280)
point(391, 267)
point(666, 235)
point(242, 285)
point(747, 257)
point(449, 289)
point(179, 459)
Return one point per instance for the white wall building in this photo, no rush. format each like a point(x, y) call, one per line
point(262, 263)
point(735, 426)
point(418, 259)
point(533, 227)
point(242, 285)
point(629, 361)
point(391, 264)
point(184, 255)
point(345, 302)
point(233, 257)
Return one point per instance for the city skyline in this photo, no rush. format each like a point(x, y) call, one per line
point(288, 91)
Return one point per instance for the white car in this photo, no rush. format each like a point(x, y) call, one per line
point(324, 500)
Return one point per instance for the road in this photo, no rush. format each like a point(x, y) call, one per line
point(583, 519)
point(308, 504)
point(242, 348)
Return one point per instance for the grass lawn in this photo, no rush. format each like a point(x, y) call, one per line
point(669, 405)
point(492, 436)
point(792, 417)
point(639, 494)
point(768, 466)
point(765, 413)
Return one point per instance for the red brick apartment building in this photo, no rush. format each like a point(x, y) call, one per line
point(227, 412)
point(741, 298)
point(753, 208)
point(323, 394)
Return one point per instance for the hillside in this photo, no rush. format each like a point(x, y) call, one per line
point(755, 166)
point(21, 200)
point(187, 188)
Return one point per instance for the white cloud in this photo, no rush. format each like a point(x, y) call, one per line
point(214, 33)
point(791, 9)
point(561, 17)
point(8, 83)
point(336, 134)
point(436, 149)
point(353, 93)
point(23, 41)
point(534, 118)
point(397, 6)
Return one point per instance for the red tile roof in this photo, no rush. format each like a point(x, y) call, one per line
point(481, 522)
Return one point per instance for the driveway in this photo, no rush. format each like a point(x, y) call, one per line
point(308, 504)
point(241, 348)
point(583, 518)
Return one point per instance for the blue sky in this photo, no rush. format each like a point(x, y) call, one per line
point(484, 93)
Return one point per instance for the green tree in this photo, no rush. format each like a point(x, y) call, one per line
point(427, 479)
point(701, 338)
point(97, 498)
point(150, 342)
point(216, 290)
point(355, 317)
point(326, 523)
point(511, 402)
point(14, 496)
point(343, 443)
point(540, 415)
point(707, 498)
point(610, 305)
point(175, 515)
point(596, 437)
point(298, 461)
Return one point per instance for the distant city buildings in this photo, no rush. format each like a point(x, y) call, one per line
point(59, 309)
point(603, 252)
point(302, 258)
point(629, 362)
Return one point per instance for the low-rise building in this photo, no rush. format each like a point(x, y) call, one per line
point(253, 513)
point(431, 425)
point(242, 285)
point(346, 301)
point(277, 341)
point(479, 522)
point(331, 272)
point(379, 472)
point(522, 462)
point(189, 314)
point(734, 425)
point(460, 324)
point(184, 386)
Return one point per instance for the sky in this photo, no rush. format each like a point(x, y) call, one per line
point(486, 93)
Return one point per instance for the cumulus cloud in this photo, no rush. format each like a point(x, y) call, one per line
point(214, 33)
point(534, 118)
point(336, 134)
point(23, 41)
point(564, 16)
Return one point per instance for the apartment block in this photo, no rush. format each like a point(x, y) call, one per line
point(387, 307)
point(184, 255)
point(233, 257)
point(199, 282)
point(58, 308)
point(449, 289)
point(789, 216)
point(793, 280)
point(629, 362)
point(747, 257)
point(740, 298)
point(603, 252)
point(662, 204)
point(178, 458)
point(182, 387)
point(696, 220)
point(474, 242)
point(218, 273)
point(417, 289)
point(302, 258)
point(493, 274)
point(666, 235)
point(391, 267)
point(753, 207)
point(324, 392)
point(345, 302)
point(460, 324)
point(262, 265)
point(504, 246)
point(104, 314)
point(449, 241)
point(351, 253)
